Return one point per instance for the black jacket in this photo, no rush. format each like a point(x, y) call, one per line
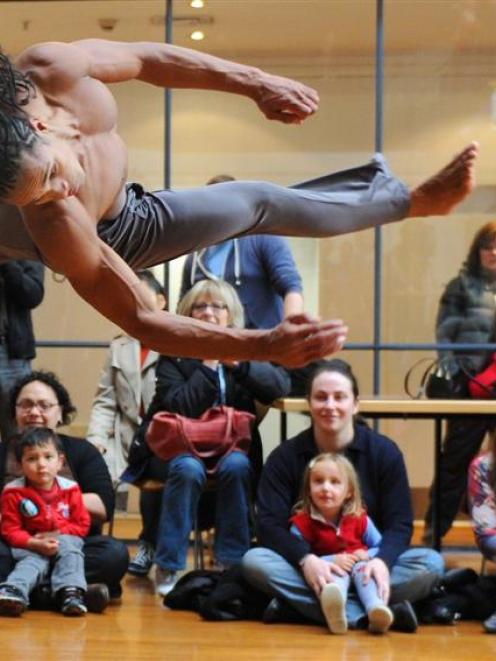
point(23, 283)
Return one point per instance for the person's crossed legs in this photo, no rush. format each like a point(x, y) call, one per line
point(272, 574)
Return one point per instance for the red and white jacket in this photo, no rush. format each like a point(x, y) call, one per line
point(25, 513)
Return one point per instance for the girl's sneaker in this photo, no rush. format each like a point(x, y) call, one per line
point(380, 619)
point(333, 604)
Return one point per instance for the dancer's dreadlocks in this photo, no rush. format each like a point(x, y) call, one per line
point(16, 132)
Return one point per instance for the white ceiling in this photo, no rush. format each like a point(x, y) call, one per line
point(249, 28)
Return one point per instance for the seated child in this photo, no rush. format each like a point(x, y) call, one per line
point(43, 520)
point(330, 516)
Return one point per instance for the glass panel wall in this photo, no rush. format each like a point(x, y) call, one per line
point(440, 72)
point(439, 63)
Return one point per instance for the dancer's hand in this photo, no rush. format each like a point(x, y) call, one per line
point(285, 100)
point(300, 339)
point(377, 570)
point(319, 572)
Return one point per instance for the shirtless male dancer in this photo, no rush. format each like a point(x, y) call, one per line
point(63, 170)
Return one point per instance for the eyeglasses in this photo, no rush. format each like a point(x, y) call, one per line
point(215, 307)
point(27, 405)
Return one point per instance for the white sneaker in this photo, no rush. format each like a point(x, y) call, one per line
point(380, 619)
point(333, 606)
point(165, 580)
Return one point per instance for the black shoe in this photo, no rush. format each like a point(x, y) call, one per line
point(404, 618)
point(72, 601)
point(97, 597)
point(12, 601)
point(278, 611)
point(458, 578)
point(417, 588)
point(490, 624)
point(41, 598)
point(447, 609)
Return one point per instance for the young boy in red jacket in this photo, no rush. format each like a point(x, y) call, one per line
point(44, 520)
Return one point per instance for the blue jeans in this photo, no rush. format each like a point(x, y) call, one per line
point(272, 574)
point(186, 478)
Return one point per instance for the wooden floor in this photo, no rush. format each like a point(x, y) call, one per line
point(141, 628)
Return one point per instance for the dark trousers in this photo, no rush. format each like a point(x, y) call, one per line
point(461, 444)
point(105, 561)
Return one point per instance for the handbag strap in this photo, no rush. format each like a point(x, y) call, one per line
point(421, 389)
point(228, 412)
point(433, 365)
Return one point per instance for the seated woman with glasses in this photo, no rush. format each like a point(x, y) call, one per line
point(189, 387)
point(40, 400)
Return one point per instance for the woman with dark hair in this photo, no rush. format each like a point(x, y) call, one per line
point(467, 314)
point(284, 567)
point(40, 400)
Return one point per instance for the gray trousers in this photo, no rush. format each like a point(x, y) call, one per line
point(156, 227)
point(32, 568)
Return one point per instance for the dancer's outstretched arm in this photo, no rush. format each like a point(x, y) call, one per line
point(66, 236)
point(60, 64)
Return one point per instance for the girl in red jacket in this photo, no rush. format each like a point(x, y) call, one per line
point(44, 520)
point(331, 517)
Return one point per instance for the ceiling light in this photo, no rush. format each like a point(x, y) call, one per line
point(197, 4)
point(197, 35)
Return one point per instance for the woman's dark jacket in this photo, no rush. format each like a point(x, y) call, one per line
point(22, 283)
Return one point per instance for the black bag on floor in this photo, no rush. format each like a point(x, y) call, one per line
point(218, 595)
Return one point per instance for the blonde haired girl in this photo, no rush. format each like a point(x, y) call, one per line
point(331, 518)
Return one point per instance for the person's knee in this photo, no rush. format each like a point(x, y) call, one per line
point(187, 470)
point(255, 562)
point(261, 194)
point(236, 466)
point(422, 559)
point(358, 567)
point(432, 560)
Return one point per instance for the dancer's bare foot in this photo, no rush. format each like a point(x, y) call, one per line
point(443, 191)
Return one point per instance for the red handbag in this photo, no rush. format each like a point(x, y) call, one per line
point(212, 436)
